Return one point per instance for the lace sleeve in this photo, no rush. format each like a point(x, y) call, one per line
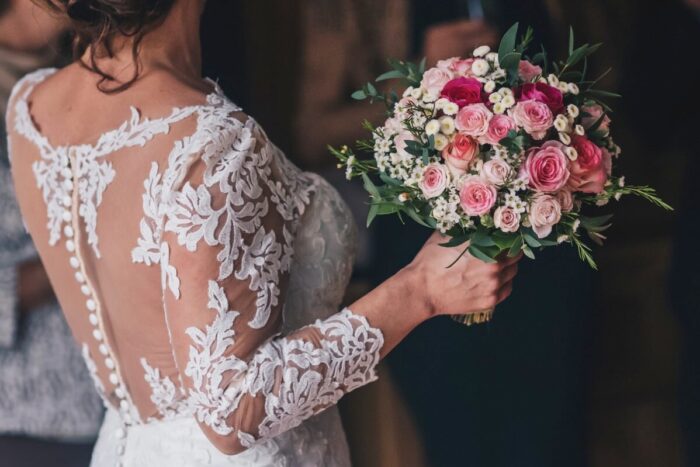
point(228, 247)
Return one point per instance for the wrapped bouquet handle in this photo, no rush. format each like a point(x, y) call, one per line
point(503, 151)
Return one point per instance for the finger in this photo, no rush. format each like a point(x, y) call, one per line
point(508, 274)
point(508, 261)
point(504, 292)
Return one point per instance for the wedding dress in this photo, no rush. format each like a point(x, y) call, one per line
point(201, 273)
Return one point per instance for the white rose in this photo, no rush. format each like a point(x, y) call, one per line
point(506, 219)
point(496, 171)
point(482, 50)
point(480, 67)
point(545, 213)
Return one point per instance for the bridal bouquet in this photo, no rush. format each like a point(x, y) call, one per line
point(502, 152)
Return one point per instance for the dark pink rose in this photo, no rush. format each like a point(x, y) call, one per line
point(589, 170)
point(547, 167)
point(463, 91)
point(541, 92)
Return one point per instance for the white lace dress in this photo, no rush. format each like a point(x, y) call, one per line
point(201, 272)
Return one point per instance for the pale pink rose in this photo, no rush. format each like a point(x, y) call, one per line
point(589, 171)
point(506, 219)
point(566, 199)
point(400, 142)
point(545, 213)
point(547, 167)
point(393, 124)
point(534, 117)
point(528, 71)
point(456, 66)
point(434, 181)
point(496, 171)
point(499, 126)
point(477, 196)
point(474, 120)
point(460, 153)
point(434, 80)
point(594, 112)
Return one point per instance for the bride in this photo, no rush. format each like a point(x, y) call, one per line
point(200, 271)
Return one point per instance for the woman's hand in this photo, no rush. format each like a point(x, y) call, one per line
point(469, 286)
point(427, 287)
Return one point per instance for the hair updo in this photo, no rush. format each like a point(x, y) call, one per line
point(97, 23)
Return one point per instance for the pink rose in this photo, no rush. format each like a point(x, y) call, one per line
point(434, 181)
point(566, 199)
point(506, 219)
point(496, 171)
point(545, 213)
point(463, 91)
point(541, 92)
point(400, 142)
point(534, 117)
point(594, 112)
point(499, 126)
point(588, 171)
point(474, 120)
point(547, 167)
point(456, 66)
point(528, 71)
point(460, 153)
point(434, 80)
point(477, 196)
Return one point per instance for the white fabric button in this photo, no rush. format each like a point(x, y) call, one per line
point(97, 334)
point(93, 319)
point(124, 405)
point(68, 231)
point(67, 173)
point(91, 305)
point(67, 201)
point(127, 418)
point(70, 246)
point(85, 289)
point(74, 263)
point(113, 378)
point(79, 277)
point(119, 392)
point(120, 450)
point(103, 349)
point(109, 363)
point(67, 216)
point(68, 185)
point(121, 433)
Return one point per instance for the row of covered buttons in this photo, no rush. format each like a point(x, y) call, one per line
point(91, 304)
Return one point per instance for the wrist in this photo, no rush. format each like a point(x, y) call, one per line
point(411, 285)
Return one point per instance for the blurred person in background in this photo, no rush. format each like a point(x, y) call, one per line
point(49, 410)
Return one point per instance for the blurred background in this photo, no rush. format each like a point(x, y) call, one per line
point(577, 368)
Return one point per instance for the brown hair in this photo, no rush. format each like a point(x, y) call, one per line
point(97, 23)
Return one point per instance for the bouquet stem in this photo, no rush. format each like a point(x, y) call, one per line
point(474, 318)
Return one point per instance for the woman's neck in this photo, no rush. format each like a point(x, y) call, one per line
point(173, 46)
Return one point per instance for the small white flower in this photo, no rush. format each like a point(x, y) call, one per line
point(602, 202)
point(490, 86)
point(451, 108)
point(508, 100)
point(432, 127)
point(576, 225)
point(482, 50)
point(441, 142)
point(563, 87)
point(579, 130)
point(499, 108)
point(561, 123)
point(572, 110)
point(403, 197)
point(565, 138)
point(408, 92)
point(480, 67)
point(440, 103)
point(618, 195)
point(417, 93)
point(505, 91)
point(495, 97)
point(492, 57)
point(447, 125)
point(562, 239)
point(573, 89)
point(542, 79)
point(571, 153)
point(621, 182)
point(552, 79)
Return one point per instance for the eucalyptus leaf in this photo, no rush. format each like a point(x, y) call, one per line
point(507, 42)
point(393, 74)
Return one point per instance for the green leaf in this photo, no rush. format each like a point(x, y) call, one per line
point(373, 209)
point(510, 61)
point(528, 252)
point(370, 187)
point(483, 254)
point(388, 180)
point(532, 241)
point(372, 90)
point(516, 247)
point(421, 66)
point(482, 238)
point(503, 240)
point(571, 40)
point(359, 95)
point(508, 42)
point(455, 241)
point(414, 215)
point(601, 93)
point(393, 74)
